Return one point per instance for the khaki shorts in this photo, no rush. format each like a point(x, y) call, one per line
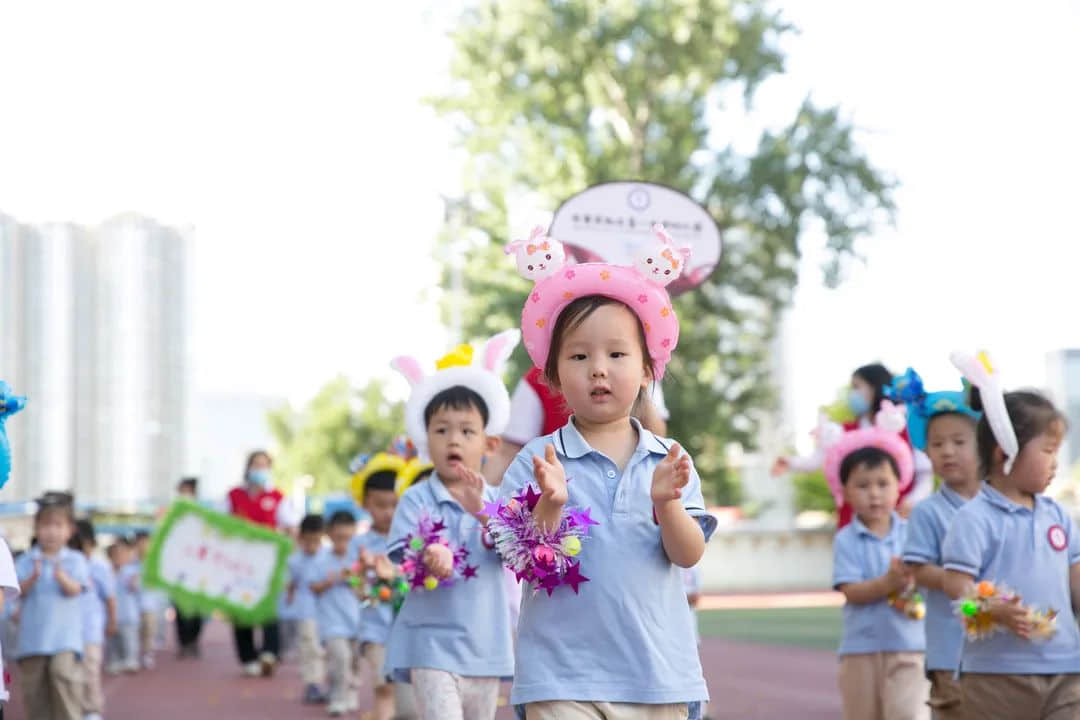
point(1021, 697)
point(884, 686)
point(945, 696)
point(375, 655)
point(568, 710)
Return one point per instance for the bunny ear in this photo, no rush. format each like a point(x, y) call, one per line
point(512, 247)
point(977, 371)
point(892, 418)
point(662, 233)
point(410, 368)
point(685, 252)
point(537, 232)
point(497, 350)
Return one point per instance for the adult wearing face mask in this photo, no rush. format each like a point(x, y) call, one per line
point(260, 503)
point(867, 391)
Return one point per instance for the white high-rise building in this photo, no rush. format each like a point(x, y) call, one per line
point(94, 331)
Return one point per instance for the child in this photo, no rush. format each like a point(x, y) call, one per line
point(151, 603)
point(602, 333)
point(99, 618)
point(454, 642)
point(942, 424)
point(122, 650)
point(1010, 534)
point(338, 611)
point(9, 592)
point(374, 488)
point(302, 565)
point(51, 578)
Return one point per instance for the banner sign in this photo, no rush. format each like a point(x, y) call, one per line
point(607, 222)
point(206, 561)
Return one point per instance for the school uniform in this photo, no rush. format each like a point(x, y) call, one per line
point(50, 638)
point(338, 609)
point(301, 569)
point(572, 648)
point(1030, 550)
point(9, 586)
point(881, 673)
point(375, 619)
point(101, 589)
point(926, 529)
point(122, 649)
point(453, 643)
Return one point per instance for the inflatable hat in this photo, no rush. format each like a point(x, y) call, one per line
point(979, 370)
point(923, 406)
point(885, 434)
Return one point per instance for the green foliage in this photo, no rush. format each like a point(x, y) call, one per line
point(339, 423)
point(812, 492)
point(552, 97)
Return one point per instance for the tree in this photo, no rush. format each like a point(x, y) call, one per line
point(550, 97)
point(339, 423)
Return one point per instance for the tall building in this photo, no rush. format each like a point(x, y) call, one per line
point(94, 330)
point(1063, 381)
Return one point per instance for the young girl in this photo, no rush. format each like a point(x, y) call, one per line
point(1011, 535)
point(99, 618)
point(942, 424)
point(870, 386)
point(618, 641)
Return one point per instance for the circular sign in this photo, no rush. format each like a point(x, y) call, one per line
point(608, 222)
point(1057, 537)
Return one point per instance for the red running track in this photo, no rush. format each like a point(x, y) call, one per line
point(747, 682)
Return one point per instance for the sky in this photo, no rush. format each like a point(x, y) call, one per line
point(291, 137)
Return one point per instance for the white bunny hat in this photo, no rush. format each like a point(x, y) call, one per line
point(979, 370)
point(480, 372)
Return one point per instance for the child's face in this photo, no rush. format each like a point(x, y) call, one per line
point(456, 437)
point(121, 555)
point(601, 368)
point(340, 536)
point(872, 492)
point(310, 542)
point(950, 444)
point(53, 529)
point(141, 545)
point(381, 505)
point(1036, 465)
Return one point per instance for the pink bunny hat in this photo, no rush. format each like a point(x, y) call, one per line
point(640, 287)
point(885, 435)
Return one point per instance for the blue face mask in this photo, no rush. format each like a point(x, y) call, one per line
point(259, 477)
point(857, 402)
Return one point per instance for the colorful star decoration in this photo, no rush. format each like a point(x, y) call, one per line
point(412, 565)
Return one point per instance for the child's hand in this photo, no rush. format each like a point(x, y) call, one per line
point(670, 476)
point(469, 490)
point(110, 628)
point(439, 560)
point(384, 569)
point(551, 477)
point(59, 574)
point(1014, 616)
point(898, 576)
point(37, 570)
point(365, 559)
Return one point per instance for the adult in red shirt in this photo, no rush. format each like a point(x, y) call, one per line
point(256, 501)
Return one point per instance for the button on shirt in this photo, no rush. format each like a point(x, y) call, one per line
point(338, 607)
point(464, 628)
point(376, 619)
point(926, 530)
point(860, 555)
point(50, 621)
point(102, 586)
point(1031, 551)
point(628, 636)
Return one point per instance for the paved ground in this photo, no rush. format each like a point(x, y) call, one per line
point(759, 664)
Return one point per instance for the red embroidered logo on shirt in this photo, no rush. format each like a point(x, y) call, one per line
point(1056, 536)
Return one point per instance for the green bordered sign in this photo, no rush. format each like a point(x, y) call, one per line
point(206, 561)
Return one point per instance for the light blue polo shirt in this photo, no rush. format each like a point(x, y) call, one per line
point(860, 555)
point(926, 530)
point(1031, 551)
point(127, 595)
point(337, 608)
point(375, 620)
point(464, 628)
point(301, 568)
point(50, 622)
point(102, 586)
point(628, 635)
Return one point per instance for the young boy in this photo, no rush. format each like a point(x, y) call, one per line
point(302, 605)
point(99, 618)
point(338, 611)
point(376, 493)
point(881, 671)
point(51, 578)
point(122, 649)
point(948, 438)
point(454, 642)
point(151, 603)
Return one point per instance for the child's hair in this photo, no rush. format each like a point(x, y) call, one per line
point(868, 457)
point(83, 537)
point(311, 524)
point(190, 483)
point(457, 397)
point(382, 480)
point(340, 517)
point(1030, 413)
point(141, 535)
point(571, 318)
point(949, 413)
point(251, 459)
point(55, 502)
point(878, 377)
